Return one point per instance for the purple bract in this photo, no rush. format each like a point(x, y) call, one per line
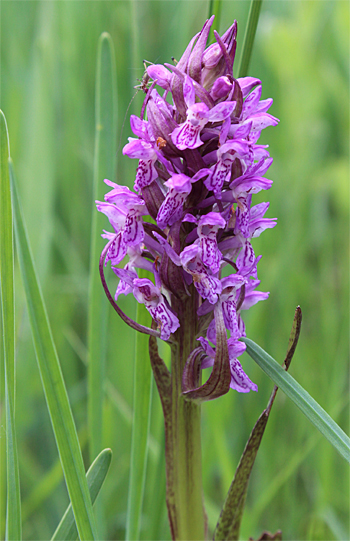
point(199, 165)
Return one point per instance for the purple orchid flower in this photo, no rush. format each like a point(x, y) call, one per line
point(187, 135)
point(171, 208)
point(239, 380)
point(193, 215)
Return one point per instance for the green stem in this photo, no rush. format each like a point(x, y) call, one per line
point(249, 36)
point(183, 445)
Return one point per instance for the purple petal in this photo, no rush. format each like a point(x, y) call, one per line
point(126, 275)
point(186, 136)
point(241, 131)
point(180, 183)
point(240, 147)
point(256, 227)
point(247, 83)
point(137, 148)
point(264, 105)
point(211, 255)
point(225, 128)
point(139, 127)
point(209, 288)
point(117, 250)
point(169, 250)
point(159, 72)
point(252, 298)
point(208, 350)
point(188, 91)
point(246, 257)
point(239, 379)
point(263, 120)
point(251, 185)
point(146, 173)
point(195, 60)
point(235, 348)
point(204, 308)
point(116, 216)
point(221, 88)
point(133, 229)
point(212, 218)
point(171, 209)
point(251, 102)
point(230, 317)
point(146, 292)
point(166, 319)
point(189, 218)
point(221, 111)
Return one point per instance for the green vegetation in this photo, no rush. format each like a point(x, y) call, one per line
point(48, 70)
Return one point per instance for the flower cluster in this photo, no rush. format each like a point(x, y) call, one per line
point(191, 215)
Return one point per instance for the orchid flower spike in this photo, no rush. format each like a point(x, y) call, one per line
point(190, 221)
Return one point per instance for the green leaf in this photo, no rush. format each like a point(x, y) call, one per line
point(104, 167)
point(140, 426)
point(249, 36)
point(13, 500)
point(229, 522)
point(53, 383)
point(66, 530)
point(313, 411)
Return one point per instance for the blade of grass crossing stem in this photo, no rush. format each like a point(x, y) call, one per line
point(301, 398)
point(140, 427)
point(229, 522)
point(214, 9)
point(13, 499)
point(52, 379)
point(66, 530)
point(249, 36)
point(104, 167)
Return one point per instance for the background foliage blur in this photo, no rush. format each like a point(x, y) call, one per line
point(301, 54)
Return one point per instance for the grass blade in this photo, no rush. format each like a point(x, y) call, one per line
point(249, 36)
point(104, 167)
point(53, 383)
point(229, 522)
point(313, 411)
point(140, 427)
point(13, 500)
point(214, 9)
point(66, 530)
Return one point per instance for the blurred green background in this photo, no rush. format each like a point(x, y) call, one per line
point(301, 53)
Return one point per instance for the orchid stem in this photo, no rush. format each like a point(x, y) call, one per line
point(183, 445)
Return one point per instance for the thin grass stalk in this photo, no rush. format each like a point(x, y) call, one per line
point(249, 36)
point(140, 426)
point(301, 398)
point(214, 9)
point(53, 384)
point(104, 167)
point(13, 497)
